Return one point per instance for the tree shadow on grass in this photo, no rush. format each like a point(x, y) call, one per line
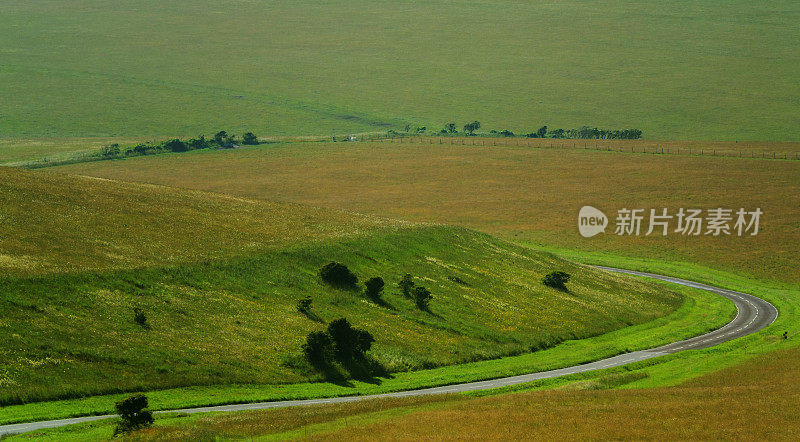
point(379, 301)
point(312, 316)
point(365, 369)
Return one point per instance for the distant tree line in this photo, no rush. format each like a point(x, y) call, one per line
point(220, 140)
point(582, 133)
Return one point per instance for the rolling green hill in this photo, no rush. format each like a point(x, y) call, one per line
point(687, 70)
point(219, 278)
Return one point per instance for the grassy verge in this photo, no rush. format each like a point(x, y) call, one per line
point(700, 312)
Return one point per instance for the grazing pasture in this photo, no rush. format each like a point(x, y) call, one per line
point(689, 70)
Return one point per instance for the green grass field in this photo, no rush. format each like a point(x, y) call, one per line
point(695, 392)
point(530, 196)
point(693, 70)
point(225, 313)
point(217, 246)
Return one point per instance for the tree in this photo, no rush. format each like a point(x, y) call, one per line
point(506, 133)
point(421, 129)
point(110, 151)
point(221, 137)
point(140, 318)
point(422, 298)
point(556, 280)
point(318, 349)
point(349, 343)
point(450, 128)
point(472, 127)
point(304, 305)
point(133, 413)
point(338, 275)
point(374, 287)
point(176, 145)
point(141, 148)
point(198, 143)
point(250, 139)
point(406, 284)
point(407, 128)
point(542, 132)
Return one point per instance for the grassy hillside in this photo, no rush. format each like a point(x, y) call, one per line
point(54, 223)
point(520, 193)
point(690, 70)
point(68, 329)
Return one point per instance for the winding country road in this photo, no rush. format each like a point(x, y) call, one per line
point(753, 315)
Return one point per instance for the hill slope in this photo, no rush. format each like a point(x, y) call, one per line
point(69, 331)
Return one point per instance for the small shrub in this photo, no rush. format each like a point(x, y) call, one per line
point(338, 275)
point(374, 288)
point(556, 280)
point(249, 138)
point(304, 305)
point(422, 298)
point(406, 284)
point(140, 318)
point(133, 414)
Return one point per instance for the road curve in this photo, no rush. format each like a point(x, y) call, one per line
point(753, 314)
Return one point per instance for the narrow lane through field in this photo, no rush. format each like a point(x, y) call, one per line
point(753, 314)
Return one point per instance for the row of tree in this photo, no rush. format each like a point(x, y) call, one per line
point(339, 276)
point(221, 139)
point(582, 133)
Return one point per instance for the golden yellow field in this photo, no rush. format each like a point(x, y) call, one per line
point(787, 150)
point(519, 193)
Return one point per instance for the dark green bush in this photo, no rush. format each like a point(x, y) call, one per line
point(140, 318)
point(338, 275)
point(176, 145)
point(556, 280)
point(133, 414)
point(406, 284)
point(304, 305)
point(422, 298)
point(318, 349)
point(349, 343)
point(249, 138)
point(374, 288)
point(198, 143)
point(110, 151)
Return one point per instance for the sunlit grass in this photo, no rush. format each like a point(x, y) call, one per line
point(518, 193)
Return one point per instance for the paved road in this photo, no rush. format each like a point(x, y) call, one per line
point(753, 315)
